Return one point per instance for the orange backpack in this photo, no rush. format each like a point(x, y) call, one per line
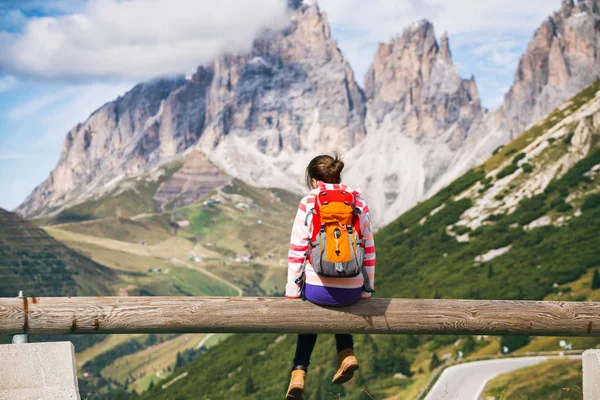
point(337, 247)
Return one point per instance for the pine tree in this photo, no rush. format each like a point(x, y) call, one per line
point(490, 271)
point(469, 345)
point(596, 280)
point(249, 386)
point(513, 342)
point(435, 362)
point(412, 341)
point(179, 361)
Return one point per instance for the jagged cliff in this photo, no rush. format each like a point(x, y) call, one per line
point(414, 83)
point(122, 138)
point(561, 59)
point(420, 112)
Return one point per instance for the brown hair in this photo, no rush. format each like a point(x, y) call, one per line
point(324, 168)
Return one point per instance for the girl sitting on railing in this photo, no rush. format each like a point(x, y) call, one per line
point(331, 260)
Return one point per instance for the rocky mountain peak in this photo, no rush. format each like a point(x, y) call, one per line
point(268, 91)
point(562, 58)
point(123, 137)
point(414, 78)
point(422, 27)
point(400, 64)
point(445, 52)
point(567, 6)
point(588, 5)
point(294, 94)
point(471, 87)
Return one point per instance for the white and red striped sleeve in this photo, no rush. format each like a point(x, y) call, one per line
point(298, 247)
point(365, 226)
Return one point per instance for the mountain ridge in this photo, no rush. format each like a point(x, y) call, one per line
point(261, 116)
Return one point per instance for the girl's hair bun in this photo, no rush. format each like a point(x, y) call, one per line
point(325, 168)
point(337, 165)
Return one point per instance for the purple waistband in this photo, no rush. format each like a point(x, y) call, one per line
point(330, 296)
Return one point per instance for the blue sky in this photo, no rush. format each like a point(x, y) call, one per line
point(62, 59)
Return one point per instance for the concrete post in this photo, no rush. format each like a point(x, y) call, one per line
point(38, 371)
point(23, 338)
point(591, 375)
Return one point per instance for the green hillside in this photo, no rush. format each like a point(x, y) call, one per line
point(518, 227)
point(551, 380)
point(36, 263)
point(431, 250)
point(32, 261)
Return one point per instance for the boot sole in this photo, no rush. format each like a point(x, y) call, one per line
point(346, 374)
point(294, 394)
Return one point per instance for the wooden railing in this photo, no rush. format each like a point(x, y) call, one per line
point(85, 315)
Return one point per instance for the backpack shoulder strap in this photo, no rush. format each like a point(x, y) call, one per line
point(316, 220)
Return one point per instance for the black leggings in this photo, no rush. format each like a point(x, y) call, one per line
point(306, 344)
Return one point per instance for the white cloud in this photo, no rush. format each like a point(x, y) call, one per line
point(137, 39)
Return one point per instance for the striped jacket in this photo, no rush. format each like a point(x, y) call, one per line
point(301, 233)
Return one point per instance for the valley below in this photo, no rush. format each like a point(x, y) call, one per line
point(230, 243)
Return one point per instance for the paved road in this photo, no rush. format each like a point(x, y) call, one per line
point(467, 381)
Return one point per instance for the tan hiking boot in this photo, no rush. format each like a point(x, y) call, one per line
point(296, 385)
point(348, 364)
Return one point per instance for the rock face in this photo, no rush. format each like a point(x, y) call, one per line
point(195, 179)
point(294, 96)
point(150, 124)
point(562, 58)
point(414, 82)
point(419, 114)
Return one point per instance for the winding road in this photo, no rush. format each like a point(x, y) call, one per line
point(467, 381)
